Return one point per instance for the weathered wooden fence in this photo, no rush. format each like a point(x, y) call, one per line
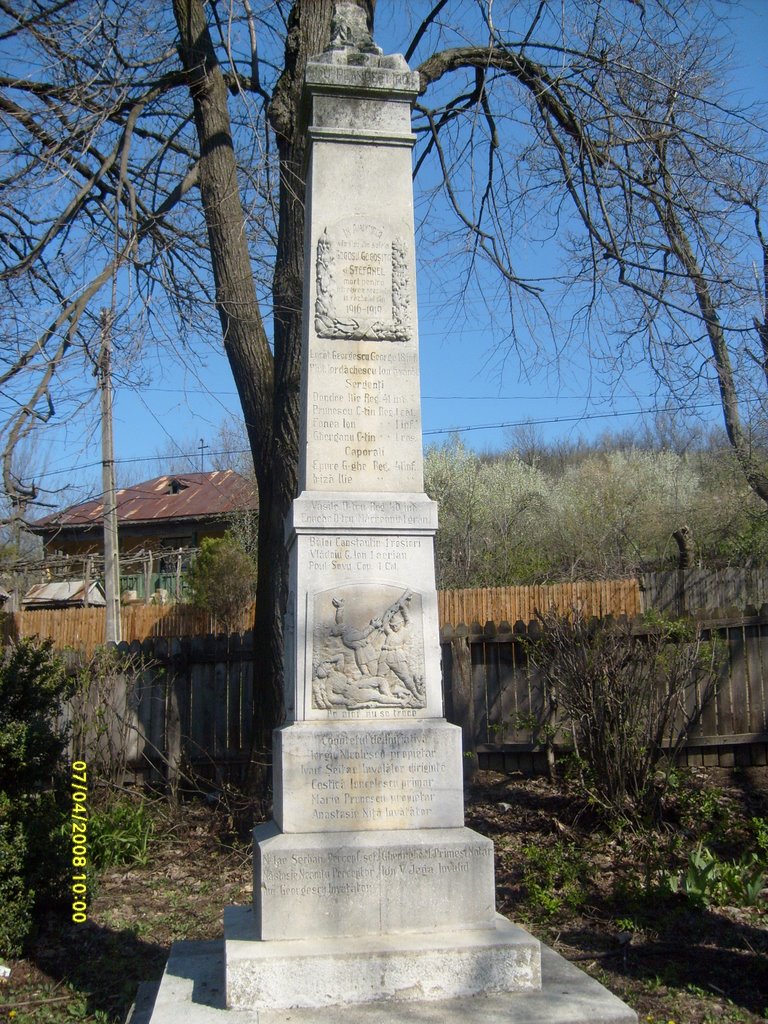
point(496, 696)
point(169, 709)
point(84, 628)
point(189, 703)
point(702, 591)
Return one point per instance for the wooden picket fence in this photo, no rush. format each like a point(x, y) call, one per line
point(696, 592)
point(520, 604)
point(495, 695)
point(173, 711)
point(185, 707)
point(84, 628)
point(699, 592)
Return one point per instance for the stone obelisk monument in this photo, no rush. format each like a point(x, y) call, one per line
point(372, 902)
point(367, 886)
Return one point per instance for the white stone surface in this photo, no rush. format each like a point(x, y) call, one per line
point(192, 992)
point(361, 424)
point(370, 514)
point(343, 776)
point(409, 968)
point(366, 569)
point(371, 883)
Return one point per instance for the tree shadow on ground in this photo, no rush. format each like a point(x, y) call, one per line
point(104, 965)
point(691, 950)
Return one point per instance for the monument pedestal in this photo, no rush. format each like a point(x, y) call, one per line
point(402, 967)
point(192, 991)
point(346, 884)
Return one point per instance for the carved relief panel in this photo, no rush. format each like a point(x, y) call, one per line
point(367, 649)
point(362, 283)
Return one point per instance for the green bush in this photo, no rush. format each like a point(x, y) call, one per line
point(631, 694)
point(222, 579)
point(33, 855)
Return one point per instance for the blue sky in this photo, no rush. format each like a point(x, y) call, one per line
point(470, 380)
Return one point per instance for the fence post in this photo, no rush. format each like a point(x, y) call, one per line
point(463, 704)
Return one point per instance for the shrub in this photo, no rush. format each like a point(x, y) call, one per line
point(631, 696)
point(222, 579)
point(32, 795)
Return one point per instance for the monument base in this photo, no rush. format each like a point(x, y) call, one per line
point(339, 884)
point(192, 991)
point(411, 968)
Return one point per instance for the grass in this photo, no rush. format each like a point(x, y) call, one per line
point(600, 896)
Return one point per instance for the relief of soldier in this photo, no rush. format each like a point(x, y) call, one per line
point(381, 668)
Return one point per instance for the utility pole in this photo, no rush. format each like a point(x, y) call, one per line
point(111, 550)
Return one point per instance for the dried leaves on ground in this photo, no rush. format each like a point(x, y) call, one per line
point(602, 896)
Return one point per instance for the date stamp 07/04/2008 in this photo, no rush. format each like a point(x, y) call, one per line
point(79, 841)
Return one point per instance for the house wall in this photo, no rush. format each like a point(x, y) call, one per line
point(143, 537)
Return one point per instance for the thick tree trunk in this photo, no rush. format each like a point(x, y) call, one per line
point(309, 30)
point(245, 340)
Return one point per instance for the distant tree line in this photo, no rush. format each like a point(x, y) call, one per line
point(573, 509)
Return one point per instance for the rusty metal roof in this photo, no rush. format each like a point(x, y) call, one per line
point(65, 593)
point(172, 497)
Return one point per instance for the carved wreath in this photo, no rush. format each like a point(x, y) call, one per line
point(329, 325)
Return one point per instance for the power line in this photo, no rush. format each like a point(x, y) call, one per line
point(426, 433)
point(556, 419)
point(424, 398)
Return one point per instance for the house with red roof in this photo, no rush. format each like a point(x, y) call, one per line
point(158, 520)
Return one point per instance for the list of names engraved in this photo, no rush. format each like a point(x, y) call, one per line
point(363, 419)
point(369, 778)
point(345, 872)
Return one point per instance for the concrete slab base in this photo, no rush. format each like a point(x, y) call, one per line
point(192, 991)
point(408, 967)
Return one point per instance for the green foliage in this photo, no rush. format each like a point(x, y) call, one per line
point(534, 513)
point(32, 794)
point(555, 877)
point(703, 811)
point(16, 899)
point(709, 881)
point(759, 827)
point(222, 579)
point(120, 834)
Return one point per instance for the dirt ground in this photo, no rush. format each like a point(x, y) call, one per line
point(589, 892)
point(670, 961)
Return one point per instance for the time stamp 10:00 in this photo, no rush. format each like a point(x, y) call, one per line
point(79, 819)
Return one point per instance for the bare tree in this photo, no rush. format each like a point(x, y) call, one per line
point(131, 134)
